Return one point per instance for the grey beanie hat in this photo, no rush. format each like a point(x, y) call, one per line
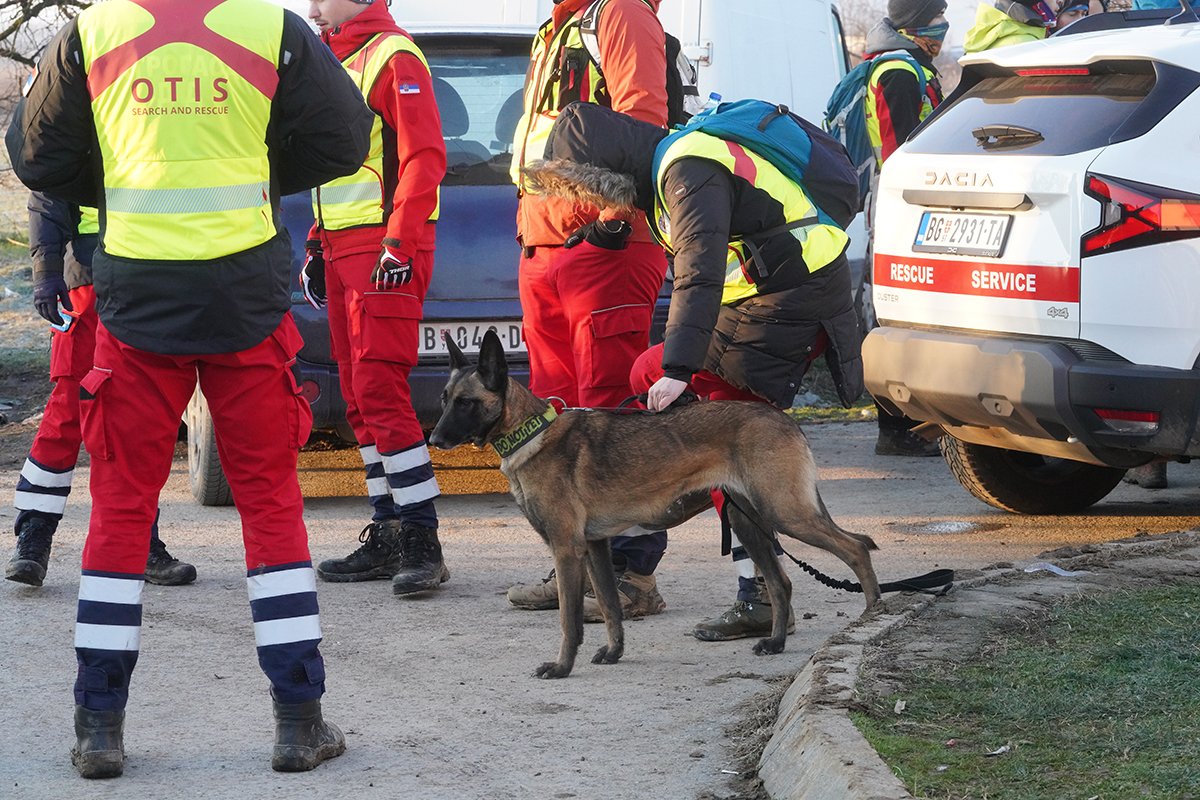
point(914, 13)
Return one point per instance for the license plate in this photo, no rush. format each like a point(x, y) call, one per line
point(962, 234)
point(469, 336)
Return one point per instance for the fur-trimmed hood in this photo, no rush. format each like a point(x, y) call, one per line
point(599, 156)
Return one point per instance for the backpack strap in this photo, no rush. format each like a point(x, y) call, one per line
point(589, 29)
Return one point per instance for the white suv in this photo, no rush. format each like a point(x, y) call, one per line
point(1037, 264)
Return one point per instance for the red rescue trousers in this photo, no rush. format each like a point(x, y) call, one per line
point(132, 401)
point(56, 445)
point(587, 314)
point(374, 337)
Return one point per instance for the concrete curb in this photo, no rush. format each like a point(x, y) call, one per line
point(816, 752)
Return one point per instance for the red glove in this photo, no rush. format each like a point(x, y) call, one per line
point(393, 269)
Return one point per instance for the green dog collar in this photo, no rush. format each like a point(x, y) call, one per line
point(525, 433)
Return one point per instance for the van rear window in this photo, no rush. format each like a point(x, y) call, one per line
point(1035, 114)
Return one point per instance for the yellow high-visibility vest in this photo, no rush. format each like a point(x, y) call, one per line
point(357, 199)
point(89, 220)
point(182, 125)
point(822, 242)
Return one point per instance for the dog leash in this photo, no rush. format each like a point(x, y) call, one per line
point(937, 582)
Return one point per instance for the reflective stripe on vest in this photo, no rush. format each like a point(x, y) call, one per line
point(89, 220)
point(821, 243)
point(181, 97)
point(873, 97)
point(358, 199)
point(549, 73)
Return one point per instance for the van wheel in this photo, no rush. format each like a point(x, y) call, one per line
point(1027, 483)
point(209, 486)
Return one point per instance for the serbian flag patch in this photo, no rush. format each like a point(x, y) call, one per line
point(408, 88)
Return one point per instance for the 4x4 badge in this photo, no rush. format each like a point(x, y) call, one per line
point(1058, 312)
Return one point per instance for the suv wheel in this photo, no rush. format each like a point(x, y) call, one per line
point(1027, 483)
point(209, 486)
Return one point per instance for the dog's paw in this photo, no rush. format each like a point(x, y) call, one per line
point(552, 669)
point(768, 647)
point(606, 656)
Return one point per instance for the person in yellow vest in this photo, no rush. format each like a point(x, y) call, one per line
point(62, 239)
point(902, 90)
point(1009, 22)
point(370, 257)
point(183, 122)
point(761, 282)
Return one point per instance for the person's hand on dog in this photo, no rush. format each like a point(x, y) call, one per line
point(612, 234)
point(393, 270)
point(312, 277)
point(664, 392)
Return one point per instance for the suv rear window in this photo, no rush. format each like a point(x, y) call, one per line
point(1070, 114)
point(478, 82)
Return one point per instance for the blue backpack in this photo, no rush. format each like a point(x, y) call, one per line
point(846, 116)
point(800, 150)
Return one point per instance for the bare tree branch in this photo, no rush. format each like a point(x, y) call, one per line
point(27, 25)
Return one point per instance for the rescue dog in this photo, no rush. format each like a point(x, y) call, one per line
point(583, 477)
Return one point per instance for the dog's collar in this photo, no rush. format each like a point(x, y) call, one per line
point(524, 433)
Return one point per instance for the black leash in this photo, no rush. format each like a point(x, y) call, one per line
point(937, 582)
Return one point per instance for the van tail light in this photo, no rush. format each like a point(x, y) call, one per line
point(1137, 214)
point(1123, 421)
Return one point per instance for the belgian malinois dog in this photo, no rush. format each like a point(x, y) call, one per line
point(583, 477)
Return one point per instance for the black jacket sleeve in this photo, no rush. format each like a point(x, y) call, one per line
point(50, 139)
point(321, 123)
point(700, 199)
point(902, 94)
point(51, 223)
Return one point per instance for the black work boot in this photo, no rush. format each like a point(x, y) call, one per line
point(29, 563)
point(166, 570)
point(99, 750)
point(302, 738)
point(379, 556)
point(903, 442)
point(421, 564)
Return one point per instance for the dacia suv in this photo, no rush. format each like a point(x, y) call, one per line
point(1037, 264)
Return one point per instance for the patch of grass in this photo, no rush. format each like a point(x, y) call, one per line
point(16, 272)
point(818, 401)
point(1100, 700)
point(25, 362)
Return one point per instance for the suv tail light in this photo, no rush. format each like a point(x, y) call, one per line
point(1137, 214)
point(1124, 421)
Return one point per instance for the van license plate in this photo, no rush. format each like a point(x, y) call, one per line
point(468, 335)
point(962, 234)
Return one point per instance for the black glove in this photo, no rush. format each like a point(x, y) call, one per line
point(612, 234)
point(50, 289)
point(312, 277)
point(392, 271)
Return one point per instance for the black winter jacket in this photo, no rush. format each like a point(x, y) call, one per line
point(55, 243)
point(319, 130)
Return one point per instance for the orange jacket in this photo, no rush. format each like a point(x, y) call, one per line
point(633, 51)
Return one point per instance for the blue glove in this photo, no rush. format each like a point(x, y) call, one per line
point(393, 270)
point(312, 276)
point(50, 289)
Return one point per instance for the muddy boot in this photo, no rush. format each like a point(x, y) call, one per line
point(748, 617)
point(540, 596)
point(1148, 476)
point(379, 556)
point(421, 564)
point(99, 750)
point(28, 565)
point(638, 594)
point(166, 570)
point(302, 738)
point(904, 443)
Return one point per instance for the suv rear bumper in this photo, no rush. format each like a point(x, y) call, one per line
point(1032, 395)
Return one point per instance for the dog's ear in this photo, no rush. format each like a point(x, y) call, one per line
point(493, 367)
point(457, 359)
